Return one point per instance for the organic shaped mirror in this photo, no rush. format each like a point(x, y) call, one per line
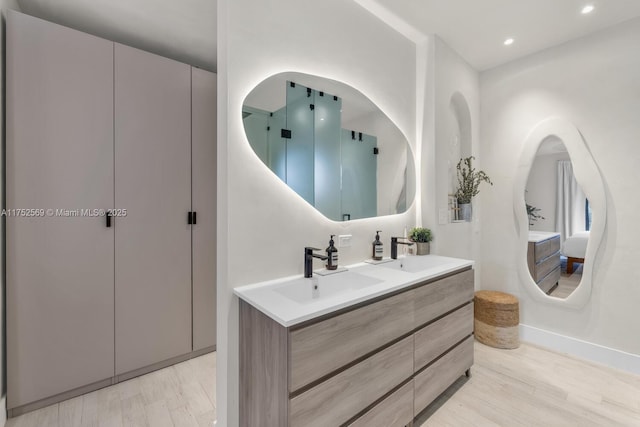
point(331, 145)
point(560, 217)
point(560, 211)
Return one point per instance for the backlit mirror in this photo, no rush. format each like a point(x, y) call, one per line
point(560, 217)
point(331, 145)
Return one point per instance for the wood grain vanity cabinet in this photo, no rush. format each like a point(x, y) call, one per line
point(92, 124)
point(379, 363)
point(323, 347)
point(543, 259)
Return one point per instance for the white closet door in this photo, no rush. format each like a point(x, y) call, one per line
point(59, 156)
point(204, 112)
point(153, 183)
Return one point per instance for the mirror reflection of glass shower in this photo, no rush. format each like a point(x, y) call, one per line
point(269, 146)
point(333, 169)
point(359, 169)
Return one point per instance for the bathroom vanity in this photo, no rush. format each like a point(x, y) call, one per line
point(543, 259)
point(372, 346)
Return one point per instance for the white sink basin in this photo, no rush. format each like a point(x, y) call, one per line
point(416, 264)
point(292, 300)
point(301, 290)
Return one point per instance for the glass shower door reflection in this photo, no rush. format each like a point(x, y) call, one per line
point(327, 155)
point(300, 147)
point(359, 175)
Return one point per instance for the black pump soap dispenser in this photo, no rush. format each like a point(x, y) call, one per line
point(332, 255)
point(377, 248)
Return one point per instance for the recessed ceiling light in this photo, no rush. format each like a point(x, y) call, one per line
point(508, 42)
point(587, 9)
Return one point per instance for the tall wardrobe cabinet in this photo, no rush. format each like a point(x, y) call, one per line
point(153, 182)
point(59, 155)
point(92, 299)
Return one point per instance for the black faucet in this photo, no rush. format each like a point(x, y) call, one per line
point(308, 260)
point(394, 246)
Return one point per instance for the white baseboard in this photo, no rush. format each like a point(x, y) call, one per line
point(581, 349)
point(3, 411)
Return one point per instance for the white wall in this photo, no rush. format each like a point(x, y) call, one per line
point(592, 82)
point(542, 189)
point(452, 75)
point(263, 225)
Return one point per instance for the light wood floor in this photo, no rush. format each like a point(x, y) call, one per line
point(568, 282)
point(177, 396)
point(532, 387)
point(528, 386)
point(566, 285)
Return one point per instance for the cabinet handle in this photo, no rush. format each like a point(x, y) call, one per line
point(108, 216)
point(195, 218)
point(190, 218)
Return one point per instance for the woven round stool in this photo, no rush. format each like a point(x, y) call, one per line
point(496, 319)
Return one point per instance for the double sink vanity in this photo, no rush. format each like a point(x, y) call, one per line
point(372, 345)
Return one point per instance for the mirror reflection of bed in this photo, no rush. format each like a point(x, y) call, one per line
point(575, 249)
point(559, 221)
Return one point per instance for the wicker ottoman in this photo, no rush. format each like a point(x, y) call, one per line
point(496, 319)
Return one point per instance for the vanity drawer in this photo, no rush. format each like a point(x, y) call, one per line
point(546, 248)
point(431, 382)
point(435, 299)
point(550, 280)
point(337, 399)
point(546, 266)
point(323, 347)
point(394, 411)
point(436, 338)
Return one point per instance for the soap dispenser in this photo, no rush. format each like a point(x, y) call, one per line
point(377, 248)
point(332, 255)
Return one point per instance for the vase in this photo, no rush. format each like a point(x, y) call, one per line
point(422, 248)
point(465, 211)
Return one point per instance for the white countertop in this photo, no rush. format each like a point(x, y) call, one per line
point(541, 236)
point(292, 300)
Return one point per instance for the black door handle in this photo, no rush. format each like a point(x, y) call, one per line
point(192, 218)
point(108, 216)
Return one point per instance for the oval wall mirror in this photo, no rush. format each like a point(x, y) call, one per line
point(560, 212)
point(331, 145)
point(560, 217)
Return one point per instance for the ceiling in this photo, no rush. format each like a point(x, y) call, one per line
point(476, 29)
point(186, 29)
